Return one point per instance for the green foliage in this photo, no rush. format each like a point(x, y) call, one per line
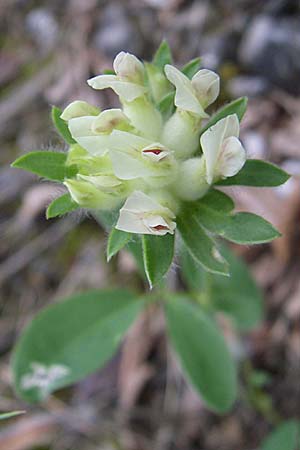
point(285, 437)
point(73, 338)
point(135, 248)
point(166, 105)
point(218, 200)
point(201, 246)
point(162, 56)
point(237, 296)
point(202, 352)
point(192, 67)
point(241, 228)
point(50, 165)
point(237, 107)
point(61, 126)
point(257, 173)
point(116, 241)
point(158, 252)
point(9, 415)
point(61, 206)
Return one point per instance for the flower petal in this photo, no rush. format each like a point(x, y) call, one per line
point(206, 83)
point(78, 109)
point(185, 97)
point(211, 142)
point(124, 141)
point(128, 167)
point(124, 89)
point(129, 68)
point(81, 130)
point(157, 225)
point(156, 152)
point(232, 157)
point(141, 214)
point(109, 119)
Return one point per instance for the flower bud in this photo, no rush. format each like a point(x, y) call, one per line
point(144, 117)
point(143, 215)
point(87, 195)
point(181, 134)
point(223, 152)
point(78, 109)
point(191, 183)
point(86, 163)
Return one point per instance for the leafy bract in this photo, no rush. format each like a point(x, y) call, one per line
point(158, 252)
point(162, 56)
point(218, 201)
point(237, 107)
point(61, 126)
point(46, 164)
point(192, 67)
point(236, 296)
point(69, 340)
point(241, 228)
point(201, 246)
point(60, 206)
point(202, 352)
point(116, 241)
point(166, 105)
point(257, 173)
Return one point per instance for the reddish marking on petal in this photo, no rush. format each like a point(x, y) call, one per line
point(160, 227)
point(156, 151)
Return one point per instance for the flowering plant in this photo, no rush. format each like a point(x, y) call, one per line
point(149, 172)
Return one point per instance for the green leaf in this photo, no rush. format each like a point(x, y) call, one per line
point(166, 105)
point(50, 165)
point(106, 218)
point(236, 296)
point(192, 67)
point(71, 339)
point(192, 273)
point(136, 249)
point(116, 241)
point(162, 56)
point(257, 173)
point(202, 352)
point(237, 107)
point(11, 414)
point(241, 228)
point(201, 246)
point(285, 437)
point(218, 201)
point(61, 125)
point(158, 252)
point(61, 206)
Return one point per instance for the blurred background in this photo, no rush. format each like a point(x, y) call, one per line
point(139, 401)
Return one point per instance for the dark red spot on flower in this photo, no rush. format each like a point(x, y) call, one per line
point(156, 151)
point(160, 227)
